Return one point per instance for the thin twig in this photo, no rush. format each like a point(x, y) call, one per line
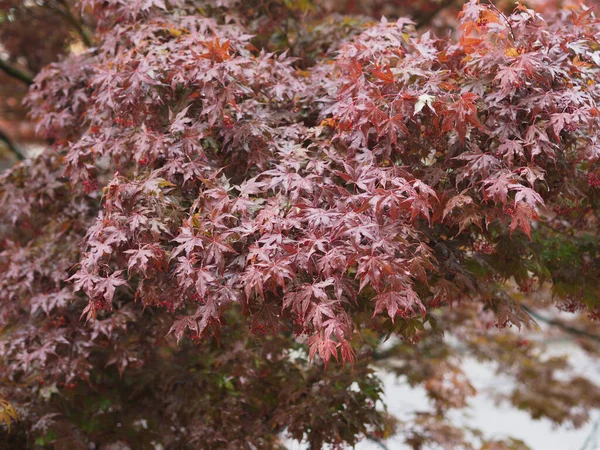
point(510, 28)
point(379, 442)
point(12, 147)
point(15, 72)
point(592, 439)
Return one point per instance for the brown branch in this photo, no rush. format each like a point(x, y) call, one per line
point(510, 28)
point(563, 326)
point(15, 72)
point(545, 224)
point(66, 12)
point(62, 8)
point(11, 146)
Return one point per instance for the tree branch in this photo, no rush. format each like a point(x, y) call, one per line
point(15, 72)
point(65, 11)
point(11, 146)
point(545, 224)
point(379, 442)
point(589, 442)
point(510, 28)
point(563, 326)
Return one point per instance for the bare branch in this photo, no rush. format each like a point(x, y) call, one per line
point(563, 326)
point(378, 442)
point(65, 10)
point(15, 72)
point(12, 147)
point(501, 14)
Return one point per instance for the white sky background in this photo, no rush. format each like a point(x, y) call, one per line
point(495, 420)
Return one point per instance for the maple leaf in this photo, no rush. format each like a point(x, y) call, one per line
point(521, 218)
point(217, 51)
point(84, 279)
point(187, 241)
point(497, 188)
point(532, 174)
point(204, 279)
point(467, 218)
point(460, 114)
point(560, 121)
point(324, 347)
point(457, 201)
point(318, 311)
point(181, 325)
point(215, 250)
point(422, 101)
point(511, 149)
point(50, 301)
point(107, 286)
point(140, 258)
point(445, 291)
point(253, 279)
point(372, 270)
point(8, 414)
point(510, 79)
point(384, 75)
point(398, 302)
point(528, 195)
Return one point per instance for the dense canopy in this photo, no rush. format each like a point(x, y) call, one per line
point(239, 201)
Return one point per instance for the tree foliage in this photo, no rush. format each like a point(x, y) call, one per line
point(240, 200)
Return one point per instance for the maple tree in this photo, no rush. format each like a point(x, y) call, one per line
point(239, 202)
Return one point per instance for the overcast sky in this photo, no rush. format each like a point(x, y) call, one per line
point(495, 420)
